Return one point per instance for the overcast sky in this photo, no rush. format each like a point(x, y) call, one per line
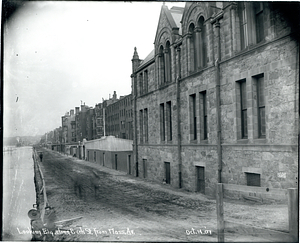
point(57, 54)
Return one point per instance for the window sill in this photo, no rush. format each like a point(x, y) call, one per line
point(194, 141)
point(260, 140)
point(204, 141)
point(242, 141)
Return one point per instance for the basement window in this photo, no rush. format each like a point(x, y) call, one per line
point(253, 179)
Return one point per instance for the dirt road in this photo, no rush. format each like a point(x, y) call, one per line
point(130, 209)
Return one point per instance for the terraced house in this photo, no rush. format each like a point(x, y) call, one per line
point(217, 100)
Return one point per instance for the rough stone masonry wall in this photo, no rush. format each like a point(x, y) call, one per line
point(156, 156)
point(276, 155)
point(155, 151)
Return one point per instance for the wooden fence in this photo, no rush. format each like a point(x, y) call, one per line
point(279, 236)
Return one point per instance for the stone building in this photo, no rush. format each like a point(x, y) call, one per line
point(217, 100)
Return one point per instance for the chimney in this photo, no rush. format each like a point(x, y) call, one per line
point(76, 110)
point(72, 112)
point(115, 95)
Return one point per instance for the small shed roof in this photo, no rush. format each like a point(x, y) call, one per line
point(110, 143)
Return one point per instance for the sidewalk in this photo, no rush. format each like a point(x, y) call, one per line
point(123, 176)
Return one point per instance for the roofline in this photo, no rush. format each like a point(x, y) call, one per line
point(145, 64)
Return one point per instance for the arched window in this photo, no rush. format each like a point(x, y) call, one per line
point(192, 48)
point(197, 45)
point(161, 63)
point(202, 43)
point(168, 62)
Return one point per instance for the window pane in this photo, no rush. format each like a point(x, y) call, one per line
point(260, 90)
point(253, 179)
point(244, 95)
point(205, 127)
point(204, 103)
point(262, 121)
point(244, 124)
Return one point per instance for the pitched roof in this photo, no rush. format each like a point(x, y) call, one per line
point(176, 13)
point(147, 59)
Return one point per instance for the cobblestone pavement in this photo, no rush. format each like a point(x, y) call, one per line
point(125, 208)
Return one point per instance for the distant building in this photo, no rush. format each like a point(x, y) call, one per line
point(118, 116)
point(68, 128)
point(99, 123)
point(80, 121)
point(218, 98)
point(111, 152)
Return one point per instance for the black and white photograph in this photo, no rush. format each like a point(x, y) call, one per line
point(150, 121)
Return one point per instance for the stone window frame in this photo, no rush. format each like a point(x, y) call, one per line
point(250, 177)
point(161, 66)
point(162, 122)
point(146, 124)
point(197, 45)
point(239, 123)
point(256, 122)
point(168, 62)
point(141, 132)
point(251, 23)
point(252, 111)
point(193, 117)
point(203, 113)
point(146, 77)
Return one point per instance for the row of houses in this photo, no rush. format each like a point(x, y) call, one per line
point(217, 100)
point(112, 117)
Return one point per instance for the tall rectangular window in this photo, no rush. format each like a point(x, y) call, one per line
point(243, 24)
point(203, 112)
point(243, 95)
point(162, 122)
point(141, 83)
point(259, 21)
point(146, 124)
point(193, 118)
point(141, 127)
point(261, 107)
point(146, 81)
point(169, 120)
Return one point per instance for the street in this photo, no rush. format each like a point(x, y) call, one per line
point(126, 208)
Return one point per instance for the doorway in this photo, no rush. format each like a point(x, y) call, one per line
point(167, 172)
point(200, 175)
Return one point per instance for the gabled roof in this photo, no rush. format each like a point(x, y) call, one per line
point(173, 17)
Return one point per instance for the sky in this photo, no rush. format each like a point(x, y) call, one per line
point(59, 55)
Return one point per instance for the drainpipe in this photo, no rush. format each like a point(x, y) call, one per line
point(218, 102)
point(178, 119)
